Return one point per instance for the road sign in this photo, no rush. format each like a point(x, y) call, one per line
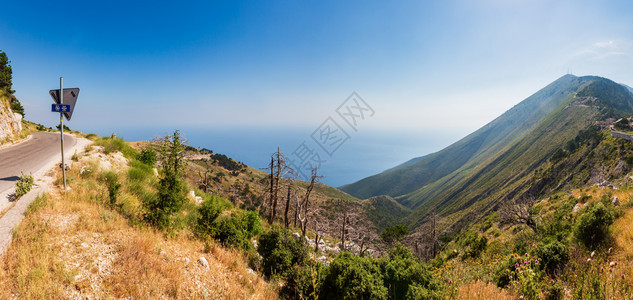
point(60, 108)
point(70, 98)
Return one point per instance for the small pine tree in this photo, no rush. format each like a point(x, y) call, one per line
point(171, 189)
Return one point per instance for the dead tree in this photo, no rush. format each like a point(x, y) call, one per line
point(342, 221)
point(426, 242)
point(302, 208)
point(434, 239)
point(279, 168)
point(359, 230)
point(320, 226)
point(288, 197)
point(518, 212)
point(204, 181)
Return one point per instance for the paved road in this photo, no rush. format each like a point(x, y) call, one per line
point(30, 156)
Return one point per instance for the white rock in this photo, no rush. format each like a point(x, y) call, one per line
point(615, 201)
point(203, 261)
point(155, 172)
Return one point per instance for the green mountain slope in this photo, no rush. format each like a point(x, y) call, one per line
point(476, 147)
point(498, 161)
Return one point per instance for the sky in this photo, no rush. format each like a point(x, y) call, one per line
point(431, 71)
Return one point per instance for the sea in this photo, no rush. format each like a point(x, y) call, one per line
point(340, 161)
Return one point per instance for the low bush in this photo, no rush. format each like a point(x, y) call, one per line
point(236, 230)
point(404, 274)
point(593, 226)
point(304, 281)
point(353, 277)
point(554, 255)
point(111, 180)
point(23, 185)
point(147, 156)
point(280, 251)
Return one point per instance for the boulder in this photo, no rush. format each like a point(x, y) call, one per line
point(615, 201)
point(203, 262)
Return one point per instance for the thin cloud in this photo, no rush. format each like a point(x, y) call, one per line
point(605, 49)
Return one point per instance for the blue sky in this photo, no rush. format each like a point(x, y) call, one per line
point(276, 65)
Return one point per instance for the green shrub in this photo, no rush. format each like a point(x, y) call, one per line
point(402, 270)
point(23, 185)
point(554, 291)
point(147, 156)
point(478, 246)
point(394, 233)
point(466, 238)
point(280, 251)
point(593, 227)
point(161, 209)
point(208, 212)
point(237, 230)
point(353, 277)
point(304, 281)
point(111, 179)
point(554, 255)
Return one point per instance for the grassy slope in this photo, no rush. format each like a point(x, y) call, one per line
point(579, 274)
point(385, 212)
point(480, 186)
point(73, 245)
point(473, 149)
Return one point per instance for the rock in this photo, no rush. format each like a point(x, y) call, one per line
point(198, 200)
point(577, 207)
point(192, 195)
point(155, 172)
point(615, 201)
point(296, 235)
point(613, 264)
point(203, 262)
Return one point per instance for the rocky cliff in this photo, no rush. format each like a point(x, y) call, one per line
point(10, 122)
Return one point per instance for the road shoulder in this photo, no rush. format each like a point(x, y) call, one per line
point(14, 215)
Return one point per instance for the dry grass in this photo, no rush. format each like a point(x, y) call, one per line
point(70, 245)
point(481, 290)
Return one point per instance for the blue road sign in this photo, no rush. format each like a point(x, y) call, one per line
point(60, 108)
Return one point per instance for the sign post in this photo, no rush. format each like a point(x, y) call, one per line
point(61, 126)
point(64, 110)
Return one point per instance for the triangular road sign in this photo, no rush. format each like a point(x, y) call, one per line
point(70, 97)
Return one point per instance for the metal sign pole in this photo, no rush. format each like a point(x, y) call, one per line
point(61, 126)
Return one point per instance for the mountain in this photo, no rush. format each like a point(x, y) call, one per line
point(498, 162)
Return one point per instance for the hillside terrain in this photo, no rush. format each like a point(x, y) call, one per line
point(501, 161)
